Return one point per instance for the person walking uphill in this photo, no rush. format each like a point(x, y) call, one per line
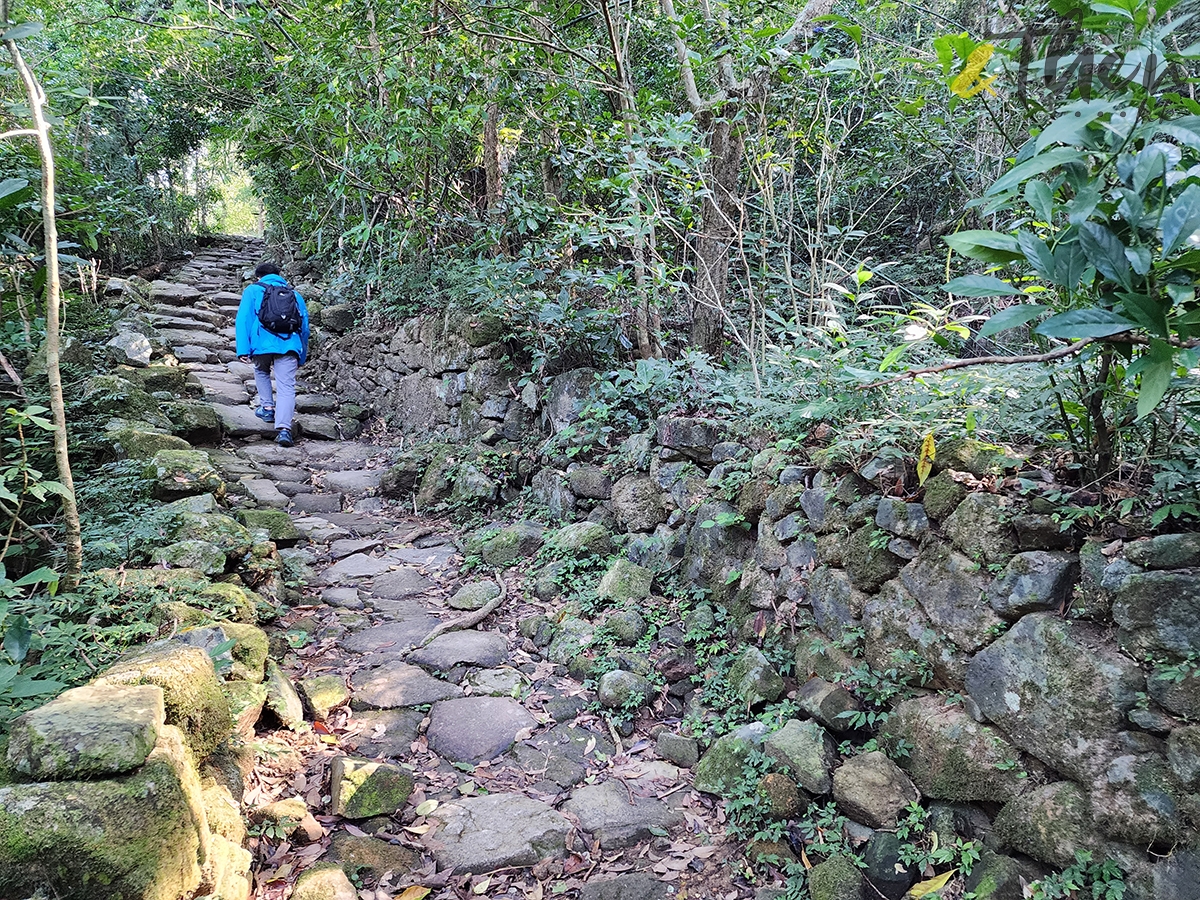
point(272, 332)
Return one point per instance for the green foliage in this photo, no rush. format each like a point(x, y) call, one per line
point(923, 849)
point(1101, 880)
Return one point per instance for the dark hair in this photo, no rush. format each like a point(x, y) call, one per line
point(266, 269)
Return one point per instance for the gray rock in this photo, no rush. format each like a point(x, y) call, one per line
point(318, 426)
point(607, 812)
point(1158, 613)
point(561, 754)
point(952, 757)
point(199, 555)
point(678, 749)
point(1183, 753)
point(354, 482)
point(1033, 581)
point(979, 527)
point(395, 637)
point(482, 834)
point(949, 588)
point(638, 504)
point(872, 789)
point(1050, 823)
point(474, 729)
point(549, 490)
point(754, 678)
point(906, 520)
point(130, 348)
point(496, 683)
point(508, 545)
point(566, 396)
point(571, 637)
point(1059, 691)
point(1040, 532)
point(401, 584)
point(867, 559)
point(806, 752)
point(884, 870)
point(591, 482)
point(87, 732)
point(719, 770)
point(623, 690)
point(836, 603)
point(475, 595)
point(362, 788)
point(626, 625)
point(485, 649)
point(386, 732)
point(631, 886)
point(695, 438)
point(1166, 551)
point(827, 703)
point(397, 684)
point(356, 567)
point(1137, 796)
point(582, 539)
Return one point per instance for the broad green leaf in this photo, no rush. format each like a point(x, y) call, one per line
point(1039, 196)
point(11, 186)
point(1109, 9)
point(980, 286)
point(24, 686)
point(1181, 219)
point(1070, 265)
point(1074, 120)
point(1077, 324)
point(24, 30)
point(1105, 251)
point(1146, 311)
point(1156, 377)
point(16, 638)
point(989, 246)
point(44, 575)
point(1044, 162)
point(1037, 253)
point(1011, 318)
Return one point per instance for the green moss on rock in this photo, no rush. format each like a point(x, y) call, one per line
point(835, 879)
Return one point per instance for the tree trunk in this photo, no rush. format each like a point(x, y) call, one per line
point(37, 100)
point(719, 216)
point(491, 171)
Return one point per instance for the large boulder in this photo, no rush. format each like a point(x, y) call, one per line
point(980, 527)
point(192, 694)
point(638, 504)
point(953, 757)
point(1059, 690)
point(694, 438)
point(1158, 613)
point(807, 752)
point(139, 835)
point(179, 473)
point(949, 588)
point(566, 396)
point(873, 790)
point(1034, 581)
point(1050, 823)
point(720, 769)
point(87, 732)
point(754, 678)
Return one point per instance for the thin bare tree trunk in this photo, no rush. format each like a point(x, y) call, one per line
point(719, 215)
point(37, 103)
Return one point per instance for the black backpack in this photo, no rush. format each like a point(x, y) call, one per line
point(279, 312)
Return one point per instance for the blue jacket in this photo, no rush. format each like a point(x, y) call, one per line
point(253, 339)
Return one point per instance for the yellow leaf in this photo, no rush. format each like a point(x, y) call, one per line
point(328, 739)
point(417, 829)
point(804, 859)
point(416, 892)
point(482, 885)
point(426, 808)
point(925, 463)
point(924, 888)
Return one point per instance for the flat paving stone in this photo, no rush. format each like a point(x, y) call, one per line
point(344, 597)
point(474, 729)
point(359, 525)
point(429, 557)
point(472, 648)
point(270, 453)
point(400, 584)
point(392, 637)
point(343, 548)
point(286, 473)
point(192, 338)
point(358, 566)
point(240, 422)
point(562, 753)
point(385, 732)
point(481, 834)
point(342, 455)
point(609, 814)
point(397, 684)
point(265, 493)
point(318, 503)
point(318, 530)
point(354, 482)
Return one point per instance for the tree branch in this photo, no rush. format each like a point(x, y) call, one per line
point(1060, 353)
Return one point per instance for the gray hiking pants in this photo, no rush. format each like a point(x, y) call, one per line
point(285, 366)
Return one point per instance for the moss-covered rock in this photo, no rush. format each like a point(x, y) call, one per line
point(582, 539)
point(199, 555)
point(113, 395)
point(362, 788)
point(191, 692)
point(720, 769)
point(475, 595)
point(506, 546)
point(88, 732)
point(835, 879)
point(134, 443)
point(249, 652)
point(436, 482)
point(141, 835)
point(178, 473)
point(277, 524)
point(222, 812)
point(193, 421)
point(981, 527)
point(246, 701)
point(976, 457)
point(370, 856)
point(942, 495)
point(619, 689)
point(282, 699)
point(229, 601)
point(780, 797)
point(754, 678)
point(180, 615)
point(324, 881)
point(157, 377)
point(571, 638)
point(625, 582)
point(323, 694)
point(867, 559)
point(1050, 823)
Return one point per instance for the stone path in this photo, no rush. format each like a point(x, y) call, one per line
point(471, 765)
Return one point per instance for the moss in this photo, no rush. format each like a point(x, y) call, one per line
point(249, 653)
point(869, 566)
point(139, 836)
point(223, 813)
point(191, 692)
point(180, 614)
point(362, 788)
point(835, 879)
point(942, 495)
point(230, 601)
point(133, 443)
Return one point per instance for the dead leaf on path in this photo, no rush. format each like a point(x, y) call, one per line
point(416, 892)
point(417, 829)
point(354, 830)
point(535, 893)
point(481, 886)
point(924, 888)
point(426, 808)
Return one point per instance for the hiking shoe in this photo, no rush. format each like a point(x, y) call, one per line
point(267, 415)
point(283, 437)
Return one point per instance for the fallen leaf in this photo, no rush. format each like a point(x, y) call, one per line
point(417, 829)
point(535, 893)
point(481, 886)
point(924, 888)
point(426, 808)
point(355, 830)
point(416, 892)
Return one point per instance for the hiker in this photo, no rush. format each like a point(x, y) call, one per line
point(272, 333)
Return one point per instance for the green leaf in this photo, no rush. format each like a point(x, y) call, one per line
point(1039, 196)
point(1037, 253)
point(1181, 219)
point(1044, 162)
point(24, 686)
point(1084, 323)
point(1069, 265)
point(44, 575)
point(988, 246)
point(1011, 318)
point(980, 286)
point(24, 30)
point(10, 187)
point(1156, 377)
point(1148, 313)
point(1073, 122)
point(1105, 251)
point(16, 638)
